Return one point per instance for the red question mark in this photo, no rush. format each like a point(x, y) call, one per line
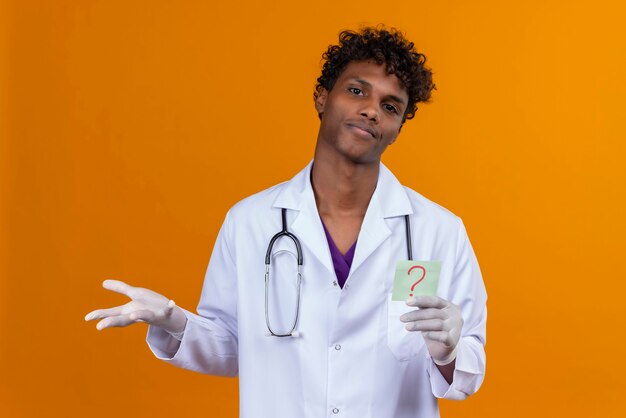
point(420, 279)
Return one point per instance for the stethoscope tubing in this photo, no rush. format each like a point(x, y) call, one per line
point(296, 241)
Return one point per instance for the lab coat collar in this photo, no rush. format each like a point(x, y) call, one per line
point(389, 200)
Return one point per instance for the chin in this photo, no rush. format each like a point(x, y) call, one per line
point(362, 159)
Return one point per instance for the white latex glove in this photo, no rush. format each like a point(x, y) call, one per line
point(145, 306)
point(440, 322)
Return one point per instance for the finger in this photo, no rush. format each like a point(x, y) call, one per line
point(115, 321)
point(427, 302)
point(167, 311)
point(440, 336)
point(422, 314)
point(428, 325)
point(170, 306)
point(103, 313)
point(118, 286)
point(144, 315)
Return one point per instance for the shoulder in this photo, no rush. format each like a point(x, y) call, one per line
point(425, 205)
point(256, 204)
point(398, 199)
point(287, 194)
point(432, 213)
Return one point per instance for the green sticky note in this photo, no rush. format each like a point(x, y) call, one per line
point(415, 278)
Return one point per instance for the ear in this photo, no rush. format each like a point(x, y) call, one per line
point(320, 102)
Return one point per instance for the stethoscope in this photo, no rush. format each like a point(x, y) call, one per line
point(268, 256)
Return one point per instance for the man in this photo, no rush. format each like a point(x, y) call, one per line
point(348, 348)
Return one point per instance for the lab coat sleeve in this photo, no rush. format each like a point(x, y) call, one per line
point(467, 290)
point(209, 344)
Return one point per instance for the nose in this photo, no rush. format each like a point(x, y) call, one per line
point(369, 111)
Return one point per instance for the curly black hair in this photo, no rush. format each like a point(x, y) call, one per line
point(383, 46)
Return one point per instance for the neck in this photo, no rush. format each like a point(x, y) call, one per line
point(341, 187)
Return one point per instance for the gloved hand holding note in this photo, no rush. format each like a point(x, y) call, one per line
point(439, 320)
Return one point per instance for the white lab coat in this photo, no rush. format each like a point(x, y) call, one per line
point(354, 358)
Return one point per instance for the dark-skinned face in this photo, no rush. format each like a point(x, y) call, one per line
point(363, 112)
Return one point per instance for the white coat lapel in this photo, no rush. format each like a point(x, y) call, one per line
point(297, 194)
point(389, 200)
point(374, 231)
point(309, 226)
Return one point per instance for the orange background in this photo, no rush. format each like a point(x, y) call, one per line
point(128, 128)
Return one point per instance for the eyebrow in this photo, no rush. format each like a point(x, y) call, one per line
point(368, 84)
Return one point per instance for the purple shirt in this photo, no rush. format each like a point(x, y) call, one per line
point(341, 262)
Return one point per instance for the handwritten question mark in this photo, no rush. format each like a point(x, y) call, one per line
point(420, 279)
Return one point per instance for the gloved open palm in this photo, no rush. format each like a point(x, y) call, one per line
point(145, 306)
point(441, 323)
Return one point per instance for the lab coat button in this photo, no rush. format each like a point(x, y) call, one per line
point(335, 283)
point(335, 411)
point(337, 347)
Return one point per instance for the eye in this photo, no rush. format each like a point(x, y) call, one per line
point(355, 90)
point(390, 108)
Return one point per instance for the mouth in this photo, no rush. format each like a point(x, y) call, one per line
point(362, 129)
